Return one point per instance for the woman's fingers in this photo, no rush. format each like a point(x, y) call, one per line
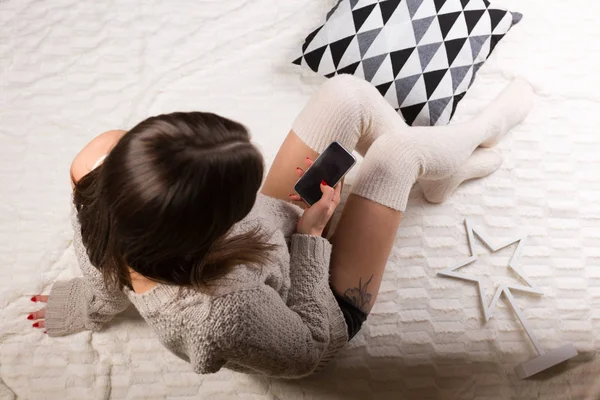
point(300, 173)
point(39, 324)
point(299, 201)
point(328, 193)
point(338, 193)
point(308, 162)
point(39, 314)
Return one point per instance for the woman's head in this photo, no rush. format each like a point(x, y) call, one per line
point(164, 199)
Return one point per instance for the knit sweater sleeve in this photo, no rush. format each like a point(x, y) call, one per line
point(255, 331)
point(82, 303)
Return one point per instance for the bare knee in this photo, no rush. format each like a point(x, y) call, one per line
point(341, 110)
point(395, 152)
point(99, 146)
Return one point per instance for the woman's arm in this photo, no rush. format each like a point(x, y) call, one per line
point(255, 331)
point(84, 303)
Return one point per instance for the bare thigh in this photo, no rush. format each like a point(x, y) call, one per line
point(363, 237)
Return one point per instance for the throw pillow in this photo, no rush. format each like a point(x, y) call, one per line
point(422, 55)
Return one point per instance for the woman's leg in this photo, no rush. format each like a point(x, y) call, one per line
point(353, 113)
point(344, 109)
point(367, 228)
point(362, 242)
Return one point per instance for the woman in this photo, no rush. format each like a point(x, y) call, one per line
point(169, 219)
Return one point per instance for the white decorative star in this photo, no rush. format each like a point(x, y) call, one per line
point(545, 359)
point(502, 288)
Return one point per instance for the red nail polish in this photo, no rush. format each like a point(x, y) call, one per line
point(37, 324)
point(323, 183)
point(33, 299)
point(45, 331)
point(30, 316)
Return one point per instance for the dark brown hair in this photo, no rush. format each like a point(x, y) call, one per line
point(166, 197)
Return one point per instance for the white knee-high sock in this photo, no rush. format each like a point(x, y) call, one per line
point(351, 111)
point(444, 148)
point(394, 162)
point(479, 165)
point(508, 110)
point(348, 110)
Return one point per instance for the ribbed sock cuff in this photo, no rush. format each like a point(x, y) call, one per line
point(349, 110)
point(388, 172)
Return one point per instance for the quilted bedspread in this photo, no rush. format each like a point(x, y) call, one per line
point(71, 69)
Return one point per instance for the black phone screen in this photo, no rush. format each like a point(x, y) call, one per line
point(330, 166)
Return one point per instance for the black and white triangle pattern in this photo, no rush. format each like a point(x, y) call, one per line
point(422, 55)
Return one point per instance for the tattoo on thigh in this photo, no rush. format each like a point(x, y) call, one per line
point(359, 296)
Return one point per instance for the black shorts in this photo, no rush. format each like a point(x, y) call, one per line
point(354, 317)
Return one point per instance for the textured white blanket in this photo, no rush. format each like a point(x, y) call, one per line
point(72, 69)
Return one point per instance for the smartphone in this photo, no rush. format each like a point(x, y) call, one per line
point(331, 166)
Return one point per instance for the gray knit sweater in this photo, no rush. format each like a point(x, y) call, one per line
point(279, 319)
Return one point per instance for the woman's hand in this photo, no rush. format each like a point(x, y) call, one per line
point(39, 315)
point(315, 218)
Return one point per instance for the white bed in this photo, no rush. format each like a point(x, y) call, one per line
point(72, 69)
